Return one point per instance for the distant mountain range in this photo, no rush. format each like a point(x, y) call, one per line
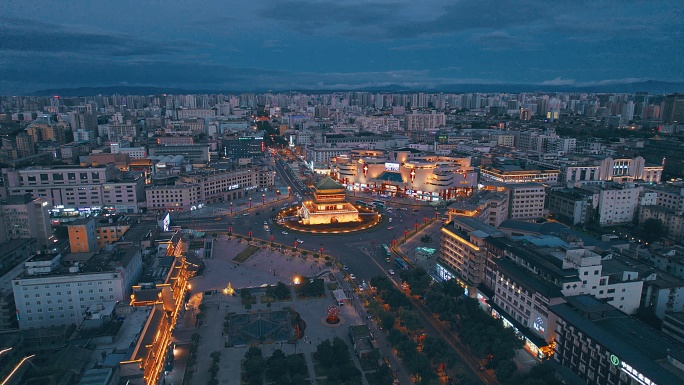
point(652, 87)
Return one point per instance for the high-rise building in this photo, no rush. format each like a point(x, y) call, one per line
point(673, 109)
point(82, 237)
point(26, 217)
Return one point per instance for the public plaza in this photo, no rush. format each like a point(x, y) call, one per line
point(268, 266)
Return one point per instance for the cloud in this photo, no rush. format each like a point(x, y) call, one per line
point(558, 82)
point(415, 47)
point(25, 35)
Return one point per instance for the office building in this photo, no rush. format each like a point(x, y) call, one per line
point(244, 147)
point(526, 200)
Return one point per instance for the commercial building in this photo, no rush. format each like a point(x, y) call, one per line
point(72, 187)
point(219, 185)
point(56, 290)
point(516, 174)
point(427, 178)
point(596, 169)
point(603, 346)
point(25, 217)
point(673, 326)
point(182, 197)
point(463, 250)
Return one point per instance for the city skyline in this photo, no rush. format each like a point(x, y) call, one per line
point(325, 45)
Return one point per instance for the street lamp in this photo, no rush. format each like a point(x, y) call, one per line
point(263, 199)
point(231, 207)
point(250, 202)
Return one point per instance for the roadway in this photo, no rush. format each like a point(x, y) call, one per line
point(360, 252)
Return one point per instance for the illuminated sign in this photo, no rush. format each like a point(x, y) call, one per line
point(166, 222)
point(233, 187)
point(630, 371)
point(392, 166)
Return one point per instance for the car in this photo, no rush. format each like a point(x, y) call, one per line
point(360, 288)
point(284, 233)
point(352, 276)
point(390, 271)
point(387, 260)
point(218, 218)
point(300, 241)
point(265, 222)
point(345, 268)
point(404, 208)
point(390, 227)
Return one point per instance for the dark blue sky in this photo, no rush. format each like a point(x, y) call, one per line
point(284, 44)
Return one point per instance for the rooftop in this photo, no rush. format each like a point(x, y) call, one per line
point(633, 342)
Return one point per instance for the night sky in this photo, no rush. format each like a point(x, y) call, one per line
point(284, 44)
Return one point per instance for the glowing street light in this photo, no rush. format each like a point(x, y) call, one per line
point(231, 207)
point(263, 199)
point(250, 202)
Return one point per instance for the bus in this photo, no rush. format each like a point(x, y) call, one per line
point(401, 264)
point(361, 203)
point(385, 250)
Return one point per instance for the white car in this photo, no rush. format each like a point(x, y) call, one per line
point(285, 233)
point(265, 223)
point(352, 276)
point(345, 268)
point(391, 271)
point(300, 241)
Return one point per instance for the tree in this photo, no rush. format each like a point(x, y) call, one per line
point(651, 229)
point(215, 356)
point(296, 366)
point(245, 294)
point(411, 319)
point(341, 349)
point(282, 291)
point(387, 321)
point(277, 365)
point(505, 369)
point(195, 338)
point(325, 354)
point(202, 308)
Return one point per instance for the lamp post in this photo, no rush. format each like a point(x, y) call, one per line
point(263, 199)
point(231, 207)
point(250, 202)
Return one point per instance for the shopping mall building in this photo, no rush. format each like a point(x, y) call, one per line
point(401, 174)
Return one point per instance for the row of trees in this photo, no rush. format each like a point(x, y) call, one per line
point(311, 287)
point(337, 361)
point(485, 336)
point(280, 291)
point(286, 370)
point(421, 356)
